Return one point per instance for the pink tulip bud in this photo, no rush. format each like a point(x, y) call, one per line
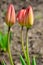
point(21, 17)
point(10, 15)
point(29, 16)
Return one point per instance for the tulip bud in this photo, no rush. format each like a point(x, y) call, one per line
point(10, 15)
point(29, 17)
point(21, 17)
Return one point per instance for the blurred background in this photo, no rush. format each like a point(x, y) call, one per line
point(35, 33)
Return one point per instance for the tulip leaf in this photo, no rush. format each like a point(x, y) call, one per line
point(22, 60)
point(33, 61)
point(3, 41)
point(3, 63)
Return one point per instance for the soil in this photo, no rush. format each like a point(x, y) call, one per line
point(35, 34)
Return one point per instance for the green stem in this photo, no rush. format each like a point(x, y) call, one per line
point(27, 50)
point(23, 42)
point(9, 51)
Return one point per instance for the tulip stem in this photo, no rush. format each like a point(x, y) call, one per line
point(27, 50)
point(23, 43)
point(9, 51)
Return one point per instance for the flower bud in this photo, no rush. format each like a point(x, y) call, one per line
point(29, 17)
point(21, 17)
point(10, 15)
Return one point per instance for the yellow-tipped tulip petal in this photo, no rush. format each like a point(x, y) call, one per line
point(29, 17)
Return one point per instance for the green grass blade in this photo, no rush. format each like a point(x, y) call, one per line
point(3, 63)
point(33, 61)
point(22, 60)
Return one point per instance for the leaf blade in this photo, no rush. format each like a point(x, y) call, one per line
point(33, 61)
point(22, 60)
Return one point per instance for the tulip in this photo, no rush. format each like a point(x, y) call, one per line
point(21, 17)
point(25, 17)
point(29, 17)
point(10, 15)
point(10, 20)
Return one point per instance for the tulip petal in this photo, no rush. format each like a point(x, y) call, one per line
point(10, 15)
point(21, 16)
point(29, 16)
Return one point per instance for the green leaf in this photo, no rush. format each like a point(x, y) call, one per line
point(22, 60)
point(33, 61)
point(3, 63)
point(3, 41)
point(1, 36)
